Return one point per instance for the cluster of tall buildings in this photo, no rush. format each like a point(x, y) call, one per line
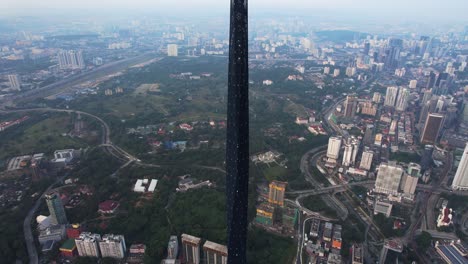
point(393, 179)
point(213, 253)
point(14, 81)
point(273, 212)
point(70, 59)
point(93, 245)
point(348, 149)
point(397, 97)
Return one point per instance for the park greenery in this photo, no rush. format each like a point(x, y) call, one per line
point(152, 219)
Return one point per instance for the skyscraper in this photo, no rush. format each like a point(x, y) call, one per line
point(190, 249)
point(428, 107)
point(426, 158)
point(14, 82)
point(56, 209)
point(388, 178)
point(366, 159)
point(412, 84)
point(113, 246)
point(88, 244)
point(402, 101)
point(460, 181)
point(426, 96)
point(237, 143)
point(432, 127)
point(366, 48)
point(215, 253)
point(334, 145)
point(276, 193)
point(350, 106)
point(431, 80)
point(391, 96)
point(393, 52)
point(172, 50)
point(348, 150)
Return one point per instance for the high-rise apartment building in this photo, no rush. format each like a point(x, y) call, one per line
point(70, 59)
point(191, 249)
point(215, 253)
point(56, 209)
point(350, 71)
point(350, 106)
point(350, 151)
point(391, 96)
point(413, 84)
point(408, 184)
point(366, 159)
point(113, 246)
point(334, 146)
point(14, 82)
point(432, 127)
point(88, 244)
point(368, 108)
point(388, 178)
point(402, 101)
point(172, 248)
point(276, 193)
point(336, 72)
point(376, 97)
point(460, 182)
point(172, 50)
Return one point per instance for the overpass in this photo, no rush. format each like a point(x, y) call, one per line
point(334, 188)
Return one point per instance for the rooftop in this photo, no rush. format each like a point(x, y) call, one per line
point(190, 239)
point(215, 247)
point(68, 245)
point(108, 205)
point(451, 254)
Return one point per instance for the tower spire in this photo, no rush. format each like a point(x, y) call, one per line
point(237, 145)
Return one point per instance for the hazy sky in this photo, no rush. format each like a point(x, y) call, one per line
point(453, 9)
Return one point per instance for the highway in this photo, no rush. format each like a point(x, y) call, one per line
point(62, 85)
point(428, 204)
point(333, 188)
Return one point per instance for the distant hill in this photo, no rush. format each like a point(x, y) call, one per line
point(340, 36)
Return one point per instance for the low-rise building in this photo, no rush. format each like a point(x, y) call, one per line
point(68, 248)
point(108, 207)
point(382, 207)
point(453, 252)
point(265, 214)
point(55, 233)
point(136, 253)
